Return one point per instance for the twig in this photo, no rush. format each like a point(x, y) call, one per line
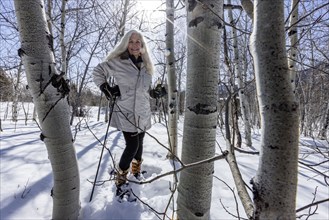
point(312, 204)
point(25, 191)
point(315, 170)
point(152, 209)
point(235, 199)
point(246, 152)
point(171, 197)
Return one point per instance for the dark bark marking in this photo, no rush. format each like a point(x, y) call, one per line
point(217, 24)
point(292, 32)
point(61, 84)
point(191, 5)
point(257, 199)
point(195, 22)
point(41, 79)
point(49, 70)
point(273, 147)
point(50, 42)
point(42, 137)
point(20, 52)
point(198, 214)
point(282, 107)
point(203, 109)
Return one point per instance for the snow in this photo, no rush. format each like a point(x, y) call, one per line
point(26, 176)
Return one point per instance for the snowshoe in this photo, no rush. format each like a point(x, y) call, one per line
point(140, 176)
point(124, 193)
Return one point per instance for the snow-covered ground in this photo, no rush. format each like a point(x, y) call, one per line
point(26, 176)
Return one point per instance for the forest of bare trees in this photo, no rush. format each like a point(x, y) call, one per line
point(233, 66)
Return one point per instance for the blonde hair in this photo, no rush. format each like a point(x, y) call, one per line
point(122, 46)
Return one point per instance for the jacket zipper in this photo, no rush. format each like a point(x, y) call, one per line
point(135, 96)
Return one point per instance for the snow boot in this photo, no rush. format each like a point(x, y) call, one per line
point(136, 167)
point(121, 177)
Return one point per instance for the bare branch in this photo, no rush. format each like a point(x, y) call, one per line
point(312, 204)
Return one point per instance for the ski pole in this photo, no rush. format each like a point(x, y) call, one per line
point(100, 159)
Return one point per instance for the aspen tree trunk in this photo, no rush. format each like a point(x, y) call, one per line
point(34, 114)
point(62, 38)
point(244, 105)
point(293, 35)
point(49, 16)
point(51, 104)
point(180, 94)
point(16, 93)
point(308, 93)
point(172, 85)
point(123, 20)
point(275, 184)
point(204, 27)
point(324, 128)
point(231, 160)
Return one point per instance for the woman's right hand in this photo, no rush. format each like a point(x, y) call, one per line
point(110, 92)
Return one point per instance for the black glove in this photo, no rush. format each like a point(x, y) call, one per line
point(110, 92)
point(158, 92)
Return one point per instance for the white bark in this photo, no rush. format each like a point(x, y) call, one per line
point(16, 93)
point(244, 105)
point(308, 96)
point(62, 38)
point(204, 33)
point(231, 159)
point(276, 181)
point(52, 107)
point(172, 85)
point(123, 19)
point(49, 16)
point(325, 125)
point(293, 35)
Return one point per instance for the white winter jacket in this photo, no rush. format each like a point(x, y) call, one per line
point(132, 113)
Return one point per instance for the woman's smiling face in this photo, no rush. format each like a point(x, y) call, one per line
point(134, 45)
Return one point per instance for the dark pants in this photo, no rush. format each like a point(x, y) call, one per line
point(133, 150)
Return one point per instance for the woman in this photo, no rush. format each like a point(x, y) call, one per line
point(131, 67)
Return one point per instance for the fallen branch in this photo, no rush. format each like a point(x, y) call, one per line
point(187, 166)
